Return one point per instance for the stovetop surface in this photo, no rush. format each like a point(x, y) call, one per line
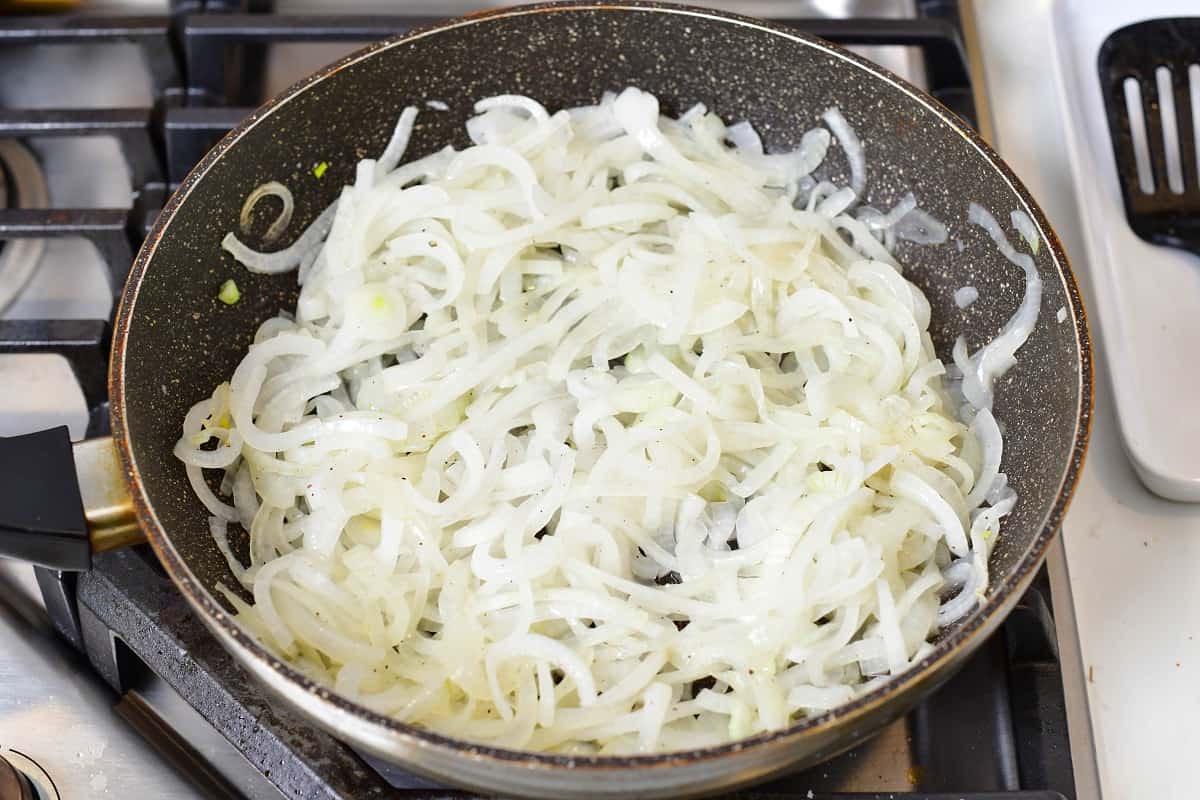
point(122, 694)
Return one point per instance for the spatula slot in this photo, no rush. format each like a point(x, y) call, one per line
point(1193, 74)
point(1137, 132)
point(1170, 131)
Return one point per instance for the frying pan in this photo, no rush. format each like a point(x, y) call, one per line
point(173, 341)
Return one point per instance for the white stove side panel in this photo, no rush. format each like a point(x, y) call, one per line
point(1134, 558)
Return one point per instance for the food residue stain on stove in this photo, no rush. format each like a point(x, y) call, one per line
point(99, 782)
point(91, 752)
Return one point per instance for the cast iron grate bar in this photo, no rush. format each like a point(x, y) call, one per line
point(82, 342)
point(936, 36)
point(106, 228)
point(204, 29)
point(127, 604)
point(190, 131)
point(206, 37)
point(67, 29)
point(131, 127)
point(141, 716)
point(1035, 683)
point(152, 34)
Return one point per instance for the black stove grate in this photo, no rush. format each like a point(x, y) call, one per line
point(998, 729)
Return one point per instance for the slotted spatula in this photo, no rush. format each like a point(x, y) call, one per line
point(1150, 76)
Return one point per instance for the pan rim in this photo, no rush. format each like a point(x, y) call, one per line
point(960, 639)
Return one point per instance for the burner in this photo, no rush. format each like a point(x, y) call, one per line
point(22, 778)
point(14, 784)
point(22, 185)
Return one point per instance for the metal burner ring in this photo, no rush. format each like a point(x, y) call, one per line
point(25, 187)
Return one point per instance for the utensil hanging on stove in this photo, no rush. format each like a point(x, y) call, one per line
point(1147, 74)
point(174, 340)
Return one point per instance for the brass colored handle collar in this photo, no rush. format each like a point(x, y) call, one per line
point(59, 503)
point(107, 505)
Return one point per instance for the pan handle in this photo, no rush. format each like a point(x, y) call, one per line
point(59, 502)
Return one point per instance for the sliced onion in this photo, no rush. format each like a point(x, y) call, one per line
point(849, 141)
point(588, 438)
point(964, 296)
point(269, 189)
point(282, 260)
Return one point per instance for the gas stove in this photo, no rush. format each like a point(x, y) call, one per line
point(108, 682)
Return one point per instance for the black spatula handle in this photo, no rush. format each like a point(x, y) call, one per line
point(41, 510)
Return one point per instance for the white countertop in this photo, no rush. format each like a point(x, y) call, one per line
point(1134, 558)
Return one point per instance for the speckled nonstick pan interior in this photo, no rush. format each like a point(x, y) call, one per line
point(174, 340)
